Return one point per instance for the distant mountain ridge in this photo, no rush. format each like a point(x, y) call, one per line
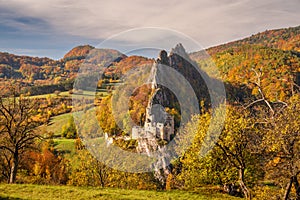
point(275, 52)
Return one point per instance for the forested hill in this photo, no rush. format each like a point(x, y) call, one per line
point(284, 39)
point(41, 71)
point(44, 75)
point(270, 59)
point(16, 61)
point(79, 51)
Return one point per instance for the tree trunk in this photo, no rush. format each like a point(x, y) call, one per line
point(288, 189)
point(297, 187)
point(242, 183)
point(101, 177)
point(14, 168)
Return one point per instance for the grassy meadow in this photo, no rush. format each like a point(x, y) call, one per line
point(71, 192)
point(56, 124)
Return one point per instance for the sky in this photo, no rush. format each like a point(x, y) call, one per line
point(52, 27)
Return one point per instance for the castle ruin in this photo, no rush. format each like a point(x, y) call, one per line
point(158, 123)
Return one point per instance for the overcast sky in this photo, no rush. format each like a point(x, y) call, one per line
point(52, 27)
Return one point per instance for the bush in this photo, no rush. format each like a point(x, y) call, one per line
point(267, 192)
point(69, 130)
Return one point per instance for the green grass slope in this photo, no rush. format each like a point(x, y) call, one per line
point(71, 192)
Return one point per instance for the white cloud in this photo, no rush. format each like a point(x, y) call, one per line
point(209, 22)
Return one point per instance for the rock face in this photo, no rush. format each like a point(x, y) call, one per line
point(163, 58)
point(178, 60)
point(159, 125)
point(181, 62)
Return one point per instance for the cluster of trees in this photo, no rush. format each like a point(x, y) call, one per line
point(27, 155)
point(259, 143)
point(16, 61)
point(17, 124)
point(244, 65)
point(85, 170)
point(69, 130)
point(29, 68)
point(119, 68)
point(254, 147)
point(48, 88)
point(285, 39)
point(20, 116)
point(8, 72)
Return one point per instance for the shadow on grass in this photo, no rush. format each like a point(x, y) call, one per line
point(9, 198)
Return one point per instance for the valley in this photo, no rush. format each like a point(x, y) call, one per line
point(255, 155)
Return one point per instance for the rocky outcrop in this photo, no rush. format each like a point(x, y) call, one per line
point(163, 58)
point(163, 97)
point(179, 60)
